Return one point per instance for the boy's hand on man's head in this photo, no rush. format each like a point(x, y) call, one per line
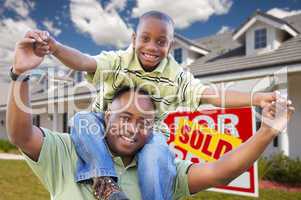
point(263, 99)
point(276, 115)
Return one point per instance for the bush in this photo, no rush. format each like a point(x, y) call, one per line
point(280, 168)
point(263, 167)
point(5, 146)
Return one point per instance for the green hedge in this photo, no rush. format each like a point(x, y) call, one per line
point(5, 146)
point(280, 168)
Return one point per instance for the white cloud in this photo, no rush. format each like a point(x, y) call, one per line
point(51, 28)
point(22, 8)
point(12, 31)
point(105, 27)
point(224, 29)
point(281, 13)
point(184, 12)
point(116, 4)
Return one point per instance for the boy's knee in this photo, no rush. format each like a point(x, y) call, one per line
point(85, 122)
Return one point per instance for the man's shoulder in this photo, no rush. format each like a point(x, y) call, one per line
point(62, 141)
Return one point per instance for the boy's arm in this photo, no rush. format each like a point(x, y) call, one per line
point(230, 98)
point(70, 57)
point(21, 131)
point(234, 163)
point(73, 58)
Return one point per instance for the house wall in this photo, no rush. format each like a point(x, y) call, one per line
point(2, 127)
point(294, 128)
point(250, 36)
point(187, 55)
point(294, 93)
point(191, 57)
point(280, 37)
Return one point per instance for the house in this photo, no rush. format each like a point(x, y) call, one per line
point(263, 54)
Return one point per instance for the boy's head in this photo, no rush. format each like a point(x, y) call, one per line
point(129, 121)
point(153, 38)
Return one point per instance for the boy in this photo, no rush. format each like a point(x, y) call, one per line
point(147, 64)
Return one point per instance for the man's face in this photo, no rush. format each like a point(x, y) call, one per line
point(152, 42)
point(129, 123)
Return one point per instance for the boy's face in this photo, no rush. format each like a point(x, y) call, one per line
point(152, 42)
point(129, 123)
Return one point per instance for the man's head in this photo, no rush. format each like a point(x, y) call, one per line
point(129, 121)
point(153, 38)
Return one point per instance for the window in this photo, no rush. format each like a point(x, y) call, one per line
point(275, 142)
point(260, 38)
point(178, 55)
point(66, 128)
point(36, 120)
point(78, 77)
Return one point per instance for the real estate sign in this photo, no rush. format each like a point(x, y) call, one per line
point(205, 136)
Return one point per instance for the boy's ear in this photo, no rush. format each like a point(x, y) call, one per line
point(170, 44)
point(133, 39)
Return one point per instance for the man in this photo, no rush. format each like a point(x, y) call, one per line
point(128, 122)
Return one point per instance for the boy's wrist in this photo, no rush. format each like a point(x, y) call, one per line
point(55, 48)
point(256, 99)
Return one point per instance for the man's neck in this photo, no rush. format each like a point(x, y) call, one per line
point(127, 160)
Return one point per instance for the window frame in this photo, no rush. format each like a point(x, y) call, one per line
point(260, 38)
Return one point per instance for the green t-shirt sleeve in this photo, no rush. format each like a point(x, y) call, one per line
point(53, 160)
point(190, 91)
point(106, 62)
point(181, 188)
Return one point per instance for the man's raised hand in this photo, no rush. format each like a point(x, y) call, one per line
point(277, 114)
point(25, 59)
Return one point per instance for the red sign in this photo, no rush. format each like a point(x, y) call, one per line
point(206, 135)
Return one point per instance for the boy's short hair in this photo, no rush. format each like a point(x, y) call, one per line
point(156, 14)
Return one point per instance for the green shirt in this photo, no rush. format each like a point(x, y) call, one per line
point(169, 85)
point(56, 169)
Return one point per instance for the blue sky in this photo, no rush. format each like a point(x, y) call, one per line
point(92, 25)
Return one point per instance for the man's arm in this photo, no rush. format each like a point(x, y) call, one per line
point(235, 98)
point(21, 131)
point(70, 57)
point(234, 163)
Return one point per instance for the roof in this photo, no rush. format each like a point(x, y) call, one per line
point(294, 21)
point(195, 47)
point(269, 19)
point(228, 55)
point(288, 53)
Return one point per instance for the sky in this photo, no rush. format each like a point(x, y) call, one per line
point(95, 25)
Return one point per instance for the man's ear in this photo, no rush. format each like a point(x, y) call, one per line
point(133, 39)
point(170, 44)
point(107, 116)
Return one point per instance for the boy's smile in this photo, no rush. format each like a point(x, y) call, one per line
point(152, 42)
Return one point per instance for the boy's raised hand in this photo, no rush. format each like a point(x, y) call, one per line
point(277, 114)
point(45, 44)
point(263, 98)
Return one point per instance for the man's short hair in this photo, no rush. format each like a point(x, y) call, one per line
point(124, 89)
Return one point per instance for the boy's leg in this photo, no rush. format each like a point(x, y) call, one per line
point(87, 133)
point(156, 169)
point(94, 160)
